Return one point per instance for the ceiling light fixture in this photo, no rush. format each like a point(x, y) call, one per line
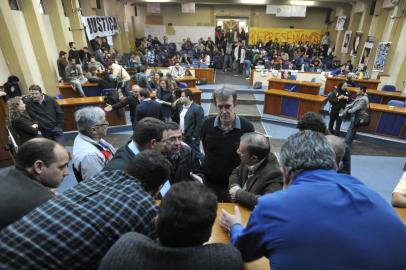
point(303, 3)
point(254, 2)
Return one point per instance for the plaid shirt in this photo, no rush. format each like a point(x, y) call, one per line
point(76, 229)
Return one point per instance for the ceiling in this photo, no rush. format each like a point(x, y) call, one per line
point(317, 3)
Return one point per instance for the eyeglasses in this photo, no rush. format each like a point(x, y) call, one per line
point(173, 139)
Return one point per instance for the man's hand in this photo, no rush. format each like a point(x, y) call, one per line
point(233, 191)
point(108, 108)
point(227, 220)
point(196, 177)
point(35, 126)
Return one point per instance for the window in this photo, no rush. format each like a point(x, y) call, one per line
point(98, 4)
point(14, 5)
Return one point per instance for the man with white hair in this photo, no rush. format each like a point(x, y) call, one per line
point(90, 151)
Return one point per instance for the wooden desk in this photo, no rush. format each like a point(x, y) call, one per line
point(387, 120)
point(218, 235)
point(207, 73)
point(332, 82)
point(90, 89)
point(190, 81)
point(402, 213)
point(291, 104)
point(301, 87)
point(378, 96)
point(71, 105)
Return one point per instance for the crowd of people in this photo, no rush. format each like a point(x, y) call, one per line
point(111, 215)
point(301, 202)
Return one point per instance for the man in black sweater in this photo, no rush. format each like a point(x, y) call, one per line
point(220, 137)
point(46, 111)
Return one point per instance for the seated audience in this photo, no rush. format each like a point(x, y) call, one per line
point(40, 166)
point(148, 107)
point(147, 134)
point(20, 123)
point(295, 228)
point(11, 87)
point(47, 113)
point(185, 219)
point(92, 77)
point(185, 164)
point(90, 151)
point(258, 173)
point(96, 64)
point(74, 76)
point(399, 194)
point(177, 71)
point(77, 228)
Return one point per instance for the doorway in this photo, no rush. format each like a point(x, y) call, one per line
point(232, 26)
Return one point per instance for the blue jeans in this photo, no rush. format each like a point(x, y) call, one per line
point(247, 67)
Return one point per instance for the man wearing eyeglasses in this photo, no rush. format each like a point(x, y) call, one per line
point(185, 164)
point(90, 151)
point(220, 137)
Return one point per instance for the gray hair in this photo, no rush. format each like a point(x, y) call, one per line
point(257, 144)
point(88, 117)
point(307, 150)
point(225, 92)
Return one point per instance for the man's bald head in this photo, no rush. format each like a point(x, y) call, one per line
point(338, 146)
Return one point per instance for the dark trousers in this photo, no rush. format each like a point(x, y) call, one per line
point(352, 130)
point(55, 135)
point(334, 117)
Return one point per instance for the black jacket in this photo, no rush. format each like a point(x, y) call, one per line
point(19, 194)
point(22, 127)
point(184, 165)
point(149, 108)
point(121, 159)
point(48, 114)
point(338, 104)
point(132, 102)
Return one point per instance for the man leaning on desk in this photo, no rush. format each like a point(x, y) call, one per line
point(258, 173)
point(322, 220)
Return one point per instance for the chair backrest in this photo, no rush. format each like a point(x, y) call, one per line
point(389, 88)
point(293, 77)
point(313, 80)
point(396, 103)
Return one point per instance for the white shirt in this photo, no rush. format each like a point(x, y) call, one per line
point(182, 117)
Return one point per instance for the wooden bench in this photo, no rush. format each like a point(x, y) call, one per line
point(90, 89)
point(295, 86)
point(379, 96)
point(71, 105)
point(332, 82)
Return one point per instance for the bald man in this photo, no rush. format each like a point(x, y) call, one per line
point(41, 164)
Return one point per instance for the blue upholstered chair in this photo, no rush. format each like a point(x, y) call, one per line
point(396, 103)
point(389, 88)
point(293, 77)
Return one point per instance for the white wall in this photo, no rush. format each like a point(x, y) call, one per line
point(28, 50)
point(4, 71)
